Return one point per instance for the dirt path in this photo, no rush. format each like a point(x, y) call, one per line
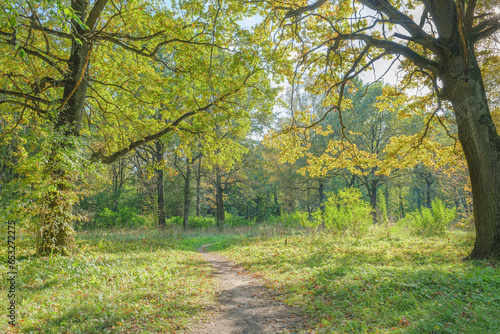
point(244, 304)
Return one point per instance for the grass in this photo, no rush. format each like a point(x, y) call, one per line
point(120, 282)
point(147, 282)
point(379, 284)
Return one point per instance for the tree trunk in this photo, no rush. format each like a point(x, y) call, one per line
point(401, 203)
point(198, 187)
point(187, 196)
point(160, 185)
point(321, 199)
point(419, 198)
point(219, 201)
point(56, 229)
point(481, 145)
point(371, 187)
point(275, 194)
point(428, 183)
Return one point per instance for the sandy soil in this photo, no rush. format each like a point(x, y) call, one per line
point(245, 305)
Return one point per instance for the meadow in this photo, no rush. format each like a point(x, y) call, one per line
point(149, 282)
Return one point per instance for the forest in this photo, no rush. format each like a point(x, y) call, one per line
point(160, 156)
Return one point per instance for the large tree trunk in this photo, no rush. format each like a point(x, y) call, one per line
point(481, 145)
point(187, 196)
point(56, 229)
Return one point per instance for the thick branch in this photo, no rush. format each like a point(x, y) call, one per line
point(36, 54)
point(39, 111)
point(95, 13)
point(38, 27)
point(394, 48)
point(97, 156)
point(486, 28)
point(299, 11)
point(418, 34)
point(469, 17)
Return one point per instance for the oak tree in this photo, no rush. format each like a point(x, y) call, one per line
point(437, 43)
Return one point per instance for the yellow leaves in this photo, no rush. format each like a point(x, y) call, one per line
point(288, 144)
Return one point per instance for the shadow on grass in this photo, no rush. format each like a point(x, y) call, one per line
point(151, 303)
point(156, 314)
point(361, 291)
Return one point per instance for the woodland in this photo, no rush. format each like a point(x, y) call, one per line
point(344, 152)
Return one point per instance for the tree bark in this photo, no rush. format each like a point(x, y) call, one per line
point(160, 185)
point(276, 205)
point(481, 145)
point(321, 195)
point(428, 184)
point(219, 200)
point(198, 187)
point(371, 187)
point(57, 228)
point(187, 196)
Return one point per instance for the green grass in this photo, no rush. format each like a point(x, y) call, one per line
point(120, 282)
point(381, 283)
point(148, 282)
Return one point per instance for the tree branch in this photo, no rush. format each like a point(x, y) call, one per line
point(485, 28)
point(28, 97)
point(301, 10)
point(97, 156)
point(418, 34)
point(94, 14)
point(394, 48)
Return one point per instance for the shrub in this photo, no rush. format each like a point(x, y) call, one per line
point(125, 216)
point(430, 222)
point(201, 222)
point(194, 221)
point(237, 221)
point(293, 219)
point(345, 211)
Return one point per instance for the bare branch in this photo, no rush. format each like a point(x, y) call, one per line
point(394, 48)
point(486, 28)
point(28, 97)
point(301, 10)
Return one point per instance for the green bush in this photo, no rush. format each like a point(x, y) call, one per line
point(194, 221)
point(125, 216)
point(237, 221)
point(430, 222)
point(175, 221)
point(346, 212)
point(293, 219)
point(201, 222)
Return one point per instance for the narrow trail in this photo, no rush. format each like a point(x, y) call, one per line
point(244, 304)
